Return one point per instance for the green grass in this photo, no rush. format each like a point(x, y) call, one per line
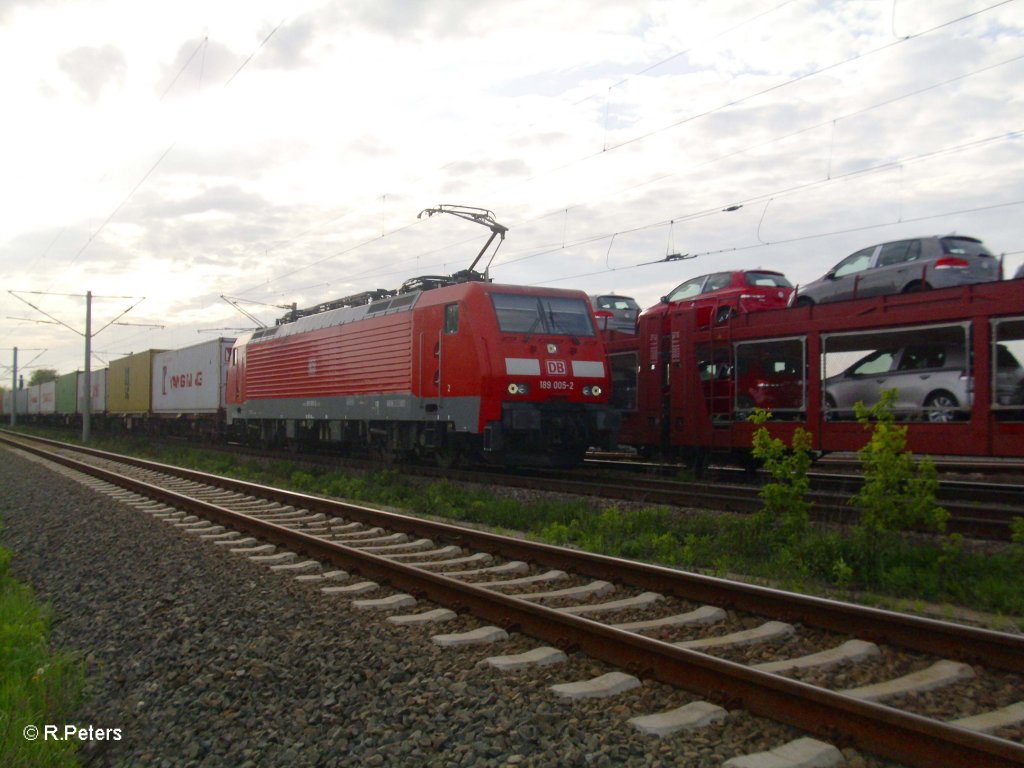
point(37, 687)
point(890, 566)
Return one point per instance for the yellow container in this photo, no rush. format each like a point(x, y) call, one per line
point(130, 383)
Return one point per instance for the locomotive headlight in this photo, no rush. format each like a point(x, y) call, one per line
point(518, 389)
point(596, 391)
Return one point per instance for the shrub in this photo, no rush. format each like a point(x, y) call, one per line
point(898, 493)
point(786, 509)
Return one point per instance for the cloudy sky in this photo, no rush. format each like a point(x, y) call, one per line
point(162, 154)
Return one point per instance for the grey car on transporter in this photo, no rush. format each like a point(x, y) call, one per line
point(903, 266)
point(615, 313)
point(931, 380)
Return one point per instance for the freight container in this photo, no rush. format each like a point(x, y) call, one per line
point(67, 393)
point(21, 402)
point(48, 398)
point(129, 383)
point(191, 380)
point(32, 393)
point(98, 385)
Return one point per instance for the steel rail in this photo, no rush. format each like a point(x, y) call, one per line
point(969, 644)
point(871, 727)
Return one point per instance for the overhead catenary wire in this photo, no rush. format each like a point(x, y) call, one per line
point(798, 239)
point(778, 193)
point(280, 279)
point(563, 209)
point(166, 151)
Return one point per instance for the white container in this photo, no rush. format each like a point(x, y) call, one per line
point(98, 385)
point(48, 397)
point(32, 399)
point(193, 379)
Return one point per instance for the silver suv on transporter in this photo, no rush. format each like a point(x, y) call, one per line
point(903, 266)
point(932, 380)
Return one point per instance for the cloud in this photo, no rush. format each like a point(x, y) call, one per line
point(417, 19)
point(293, 45)
point(197, 63)
point(94, 69)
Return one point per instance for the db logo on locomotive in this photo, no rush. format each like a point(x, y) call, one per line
point(556, 367)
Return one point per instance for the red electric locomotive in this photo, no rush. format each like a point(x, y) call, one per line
point(508, 374)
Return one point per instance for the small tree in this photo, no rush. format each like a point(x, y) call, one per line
point(41, 376)
point(785, 495)
point(898, 493)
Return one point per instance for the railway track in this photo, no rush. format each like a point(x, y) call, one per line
point(847, 675)
point(977, 509)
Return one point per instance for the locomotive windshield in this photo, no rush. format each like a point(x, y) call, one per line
point(518, 313)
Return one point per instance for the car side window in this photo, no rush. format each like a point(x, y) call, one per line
point(923, 357)
point(897, 253)
point(717, 282)
point(879, 362)
point(854, 263)
point(686, 290)
point(1005, 361)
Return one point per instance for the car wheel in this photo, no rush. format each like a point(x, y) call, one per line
point(941, 407)
point(724, 314)
point(744, 406)
point(830, 408)
point(917, 286)
point(803, 301)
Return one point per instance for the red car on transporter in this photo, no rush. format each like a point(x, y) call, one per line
point(722, 295)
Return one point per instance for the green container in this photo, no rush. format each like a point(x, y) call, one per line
point(67, 393)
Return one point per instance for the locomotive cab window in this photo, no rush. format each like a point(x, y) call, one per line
point(550, 315)
point(451, 318)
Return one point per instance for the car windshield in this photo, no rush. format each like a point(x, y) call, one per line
point(875, 363)
point(963, 246)
point(768, 279)
point(687, 289)
point(616, 302)
point(854, 263)
point(519, 313)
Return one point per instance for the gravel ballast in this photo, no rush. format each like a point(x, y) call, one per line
point(202, 658)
